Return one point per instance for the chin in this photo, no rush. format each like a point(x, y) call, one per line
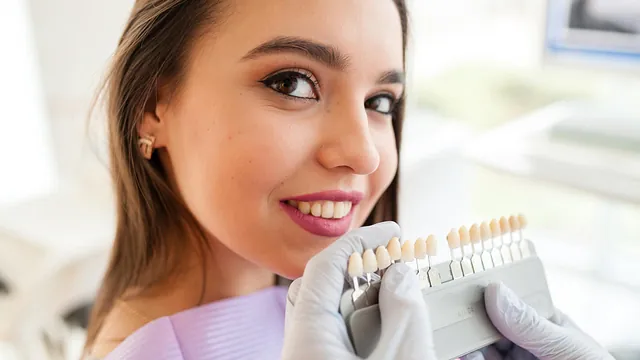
point(293, 267)
point(291, 273)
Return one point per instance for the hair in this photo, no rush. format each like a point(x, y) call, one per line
point(155, 44)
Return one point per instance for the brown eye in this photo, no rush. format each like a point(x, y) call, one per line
point(292, 83)
point(383, 104)
point(286, 86)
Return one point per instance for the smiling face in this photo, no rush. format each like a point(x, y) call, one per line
point(280, 136)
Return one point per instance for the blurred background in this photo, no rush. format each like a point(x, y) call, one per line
point(516, 106)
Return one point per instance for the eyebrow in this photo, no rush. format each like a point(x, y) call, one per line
point(392, 77)
point(328, 55)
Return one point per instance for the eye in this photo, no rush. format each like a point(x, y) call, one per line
point(383, 104)
point(294, 83)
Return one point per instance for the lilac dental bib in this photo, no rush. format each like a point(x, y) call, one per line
point(245, 327)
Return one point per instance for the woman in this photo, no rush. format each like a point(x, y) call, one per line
point(246, 136)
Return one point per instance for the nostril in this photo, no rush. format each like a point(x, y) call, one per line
point(4, 287)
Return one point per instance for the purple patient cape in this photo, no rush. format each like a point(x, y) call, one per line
point(245, 327)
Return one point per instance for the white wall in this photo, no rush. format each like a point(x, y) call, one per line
point(26, 167)
point(75, 39)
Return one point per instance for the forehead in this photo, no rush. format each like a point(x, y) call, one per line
point(368, 32)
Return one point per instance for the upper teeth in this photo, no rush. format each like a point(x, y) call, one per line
point(324, 209)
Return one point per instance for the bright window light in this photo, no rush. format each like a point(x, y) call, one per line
point(27, 167)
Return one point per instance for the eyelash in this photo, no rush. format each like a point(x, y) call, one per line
point(392, 99)
point(305, 75)
point(302, 74)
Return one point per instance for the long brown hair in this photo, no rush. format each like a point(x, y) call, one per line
point(155, 45)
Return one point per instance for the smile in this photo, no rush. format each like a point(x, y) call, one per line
point(323, 209)
point(326, 214)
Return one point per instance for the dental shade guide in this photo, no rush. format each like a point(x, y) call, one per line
point(455, 265)
point(496, 254)
point(465, 242)
point(433, 274)
point(514, 224)
point(505, 249)
point(458, 317)
point(355, 269)
point(383, 259)
point(476, 248)
point(395, 250)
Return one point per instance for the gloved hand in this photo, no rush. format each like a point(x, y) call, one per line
point(315, 330)
point(530, 336)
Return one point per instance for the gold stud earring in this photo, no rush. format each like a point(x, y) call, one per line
point(145, 144)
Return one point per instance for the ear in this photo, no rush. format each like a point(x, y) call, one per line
point(153, 124)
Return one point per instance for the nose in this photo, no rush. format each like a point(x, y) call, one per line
point(348, 141)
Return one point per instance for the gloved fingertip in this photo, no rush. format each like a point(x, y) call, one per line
point(399, 278)
point(508, 313)
point(519, 322)
point(391, 224)
point(292, 293)
point(501, 298)
point(389, 228)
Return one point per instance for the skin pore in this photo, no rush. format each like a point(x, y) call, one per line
point(283, 98)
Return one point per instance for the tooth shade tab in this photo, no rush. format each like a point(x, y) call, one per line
point(485, 231)
point(453, 239)
point(408, 253)
point(383, 258)
point(355, 267)
point(394, 249)
point(369, 261)
point(420, 248)
point(514, 223)
point(504, 225)
point(523, 221)
point(474, 234)
point(432, 246)
point(495, 228)
point(465, 239)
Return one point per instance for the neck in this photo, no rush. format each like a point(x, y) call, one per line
point(223, 275)
point(228, 275)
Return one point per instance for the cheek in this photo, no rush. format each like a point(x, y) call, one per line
point(237, 158)
point(229, 162)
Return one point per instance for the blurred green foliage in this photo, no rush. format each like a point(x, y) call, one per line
point(484, 96)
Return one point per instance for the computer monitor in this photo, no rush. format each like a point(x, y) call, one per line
point(593, 32)
point(603, 36)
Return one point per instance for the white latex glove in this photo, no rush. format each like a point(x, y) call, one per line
point(315, 330)
point(530, 336)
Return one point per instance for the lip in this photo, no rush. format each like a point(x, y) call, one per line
point(318, 225)
point(332, 195)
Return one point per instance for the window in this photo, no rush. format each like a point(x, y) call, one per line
point(480, 75)
point(25, 150)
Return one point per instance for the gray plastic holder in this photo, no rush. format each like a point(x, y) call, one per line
point(459, 320)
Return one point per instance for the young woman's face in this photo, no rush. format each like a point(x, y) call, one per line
point(280, 139)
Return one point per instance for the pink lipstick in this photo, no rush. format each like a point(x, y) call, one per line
point(312, 213)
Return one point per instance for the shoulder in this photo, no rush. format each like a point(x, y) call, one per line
point(251, 325)
point(120, 323)
point(155, 340)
